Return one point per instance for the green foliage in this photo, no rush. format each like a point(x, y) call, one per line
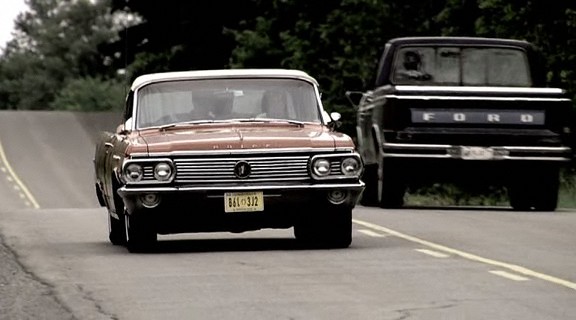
point(55, 41)
point(90, 94)
point(67, 54)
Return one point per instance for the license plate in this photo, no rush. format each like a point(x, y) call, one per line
point(243, 201)
point(476, 153)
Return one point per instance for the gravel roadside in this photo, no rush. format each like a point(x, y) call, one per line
point(22, 296)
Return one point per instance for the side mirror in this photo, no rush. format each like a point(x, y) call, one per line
point(335, 120)
point(335, 116)
point(124, 128)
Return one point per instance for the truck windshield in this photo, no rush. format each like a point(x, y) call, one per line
point(503, 67)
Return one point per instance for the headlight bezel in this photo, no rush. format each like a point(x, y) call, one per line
point(336, 165)
point(321, 167)
point(164, 173)
point(149, 171)
point(133, 173)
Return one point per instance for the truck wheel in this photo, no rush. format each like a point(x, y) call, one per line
point(140, 236)
point(391, 188)
point(370, 177)
point(331, 230)
point(539, 192)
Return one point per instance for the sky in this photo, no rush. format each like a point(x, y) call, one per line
point(9, 11)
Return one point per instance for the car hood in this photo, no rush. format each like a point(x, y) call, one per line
point(214, 137)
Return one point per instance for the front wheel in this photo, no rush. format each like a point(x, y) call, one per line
point(369, 197)
point(332, 229)
point(117, 229)
point(140, 234)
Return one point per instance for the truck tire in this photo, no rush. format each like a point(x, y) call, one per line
point(391, 188)
point(539, 192)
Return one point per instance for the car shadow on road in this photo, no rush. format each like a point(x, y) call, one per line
point(229, 245)
point(459, 208)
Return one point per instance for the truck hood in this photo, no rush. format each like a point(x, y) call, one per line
point(214, 137)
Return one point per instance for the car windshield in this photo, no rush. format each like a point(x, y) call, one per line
point(461, 66)
point(217, 100)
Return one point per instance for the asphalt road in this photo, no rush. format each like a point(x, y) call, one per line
point(414, 263)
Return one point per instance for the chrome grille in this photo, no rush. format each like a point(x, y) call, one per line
point(221, 170)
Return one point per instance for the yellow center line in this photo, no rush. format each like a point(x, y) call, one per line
point(13, 177)
point(469, 256)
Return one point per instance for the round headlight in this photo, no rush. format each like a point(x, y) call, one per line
point(351, 166)
point(162, 171)
point(133, 172)
point(321, 167)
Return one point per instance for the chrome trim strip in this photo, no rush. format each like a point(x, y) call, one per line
point(350, 186)
point(423, 156)
point(549, 149)
point(240, 152)
point(417, 146)
point(474, 98)
point(496, 158)
point(221, 74)
point(548, 152)
point(509, 148)
point(480, 89)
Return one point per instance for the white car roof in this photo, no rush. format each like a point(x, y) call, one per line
point(222, 73)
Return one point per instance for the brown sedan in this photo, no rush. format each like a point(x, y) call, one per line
point(227, 150)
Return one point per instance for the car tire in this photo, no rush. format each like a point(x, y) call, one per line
point(100, 196)
point(331, 230)
point(391, 188)
point(117, 229)
point(140, 236)
point(369, 197)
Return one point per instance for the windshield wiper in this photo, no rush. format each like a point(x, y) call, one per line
point(268, 120)
point(179, 124)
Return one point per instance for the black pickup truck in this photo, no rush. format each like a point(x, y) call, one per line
point(463, 110)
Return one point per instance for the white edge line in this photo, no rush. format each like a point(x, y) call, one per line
point(433, 253)
point(372, 233)
point(508, 275)
point(465, 255)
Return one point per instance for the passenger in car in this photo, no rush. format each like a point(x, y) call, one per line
point(274, 105)
point(221, 106)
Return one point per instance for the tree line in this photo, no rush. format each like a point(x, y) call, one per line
point(82, 54)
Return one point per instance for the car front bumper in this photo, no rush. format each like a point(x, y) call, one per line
point(202, 208)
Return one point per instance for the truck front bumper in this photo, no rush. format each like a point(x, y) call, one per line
point(446, 151)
